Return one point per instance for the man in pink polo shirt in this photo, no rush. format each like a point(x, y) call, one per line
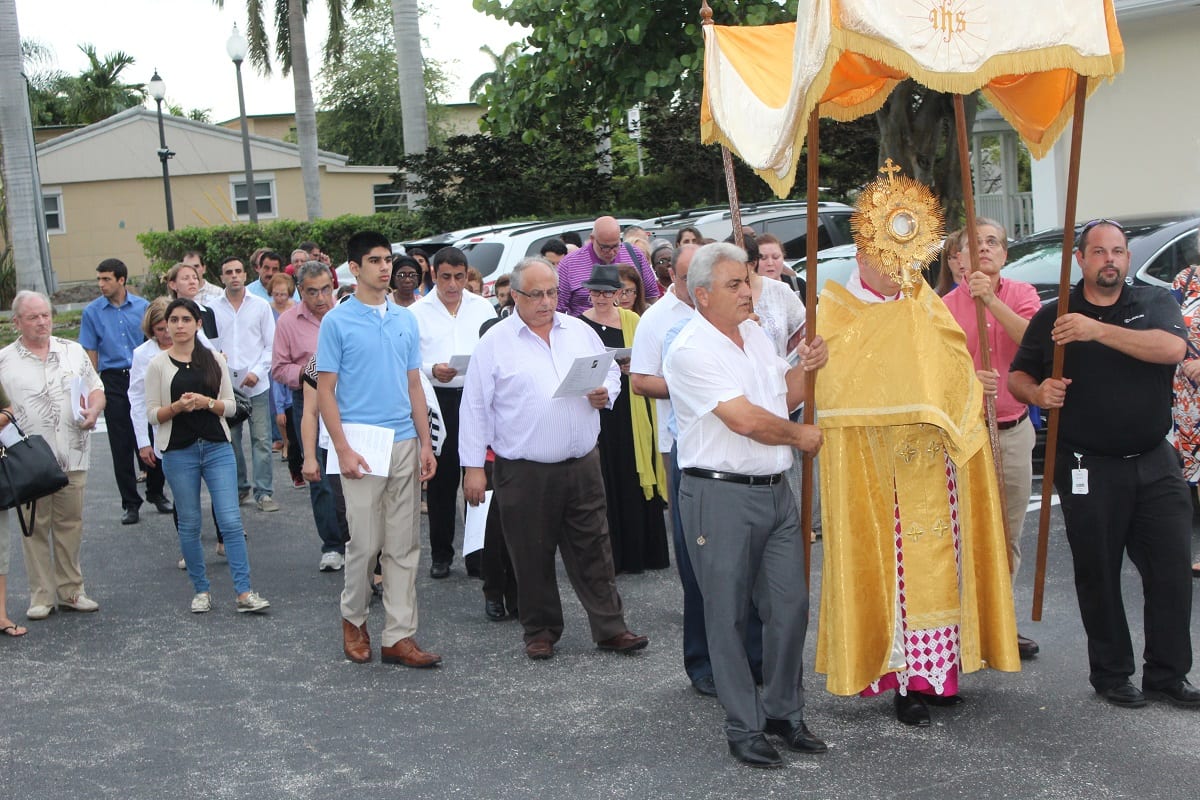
point(1009, 305)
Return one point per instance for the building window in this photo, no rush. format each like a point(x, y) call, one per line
point(264, 197)
point(388, 198)
point(52, 208)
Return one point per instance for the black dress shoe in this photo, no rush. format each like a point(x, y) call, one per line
point(1181, 694)
point(163, 505)
point(130, 517)
point(1125, 695)
point(705, 685)
point(796, 734)
point(494, 610)
point(440, 569)
point(911, 710)
point(1027, 648)
point(756, 752)
point(943, 700)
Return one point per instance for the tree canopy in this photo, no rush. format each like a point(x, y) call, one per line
point(604, 55)
point(360, 114)
point(98, 92)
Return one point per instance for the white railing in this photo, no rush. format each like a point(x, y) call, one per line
point(1014, 211)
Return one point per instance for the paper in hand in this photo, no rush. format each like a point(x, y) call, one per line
point(586, 374)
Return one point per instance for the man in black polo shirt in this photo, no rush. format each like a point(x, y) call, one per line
point(1117, 476)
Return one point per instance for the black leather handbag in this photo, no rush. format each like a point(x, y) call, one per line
point(243, 408)
point(28, 472)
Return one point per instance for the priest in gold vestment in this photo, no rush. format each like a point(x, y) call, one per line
point(915, 585)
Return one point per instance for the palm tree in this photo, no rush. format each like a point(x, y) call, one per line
point(17, 159)
point(500, 65)
point(98, 92)
point(411, 73)
point(291, 50)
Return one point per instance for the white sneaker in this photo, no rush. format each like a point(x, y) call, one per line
point(253, 602)
point(38, 612)
point(182, 564)
point(332, 561)
point(202, 602)
point(80, 602)
point(267, 503)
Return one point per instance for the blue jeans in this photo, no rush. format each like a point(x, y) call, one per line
point(331, 526)
point(260, 447)
point(212, 461)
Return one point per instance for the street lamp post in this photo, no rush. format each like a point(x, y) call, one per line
point(158, 90)
point(236, 47)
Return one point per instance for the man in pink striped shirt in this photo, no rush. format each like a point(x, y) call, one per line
point(604, 246)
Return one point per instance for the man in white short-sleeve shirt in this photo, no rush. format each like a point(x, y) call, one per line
point(731, 394)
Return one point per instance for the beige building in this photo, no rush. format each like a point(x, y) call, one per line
point(102, 185)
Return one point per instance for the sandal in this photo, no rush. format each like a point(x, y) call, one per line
point(14, 630)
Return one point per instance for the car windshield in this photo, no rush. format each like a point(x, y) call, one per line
point(483, 256)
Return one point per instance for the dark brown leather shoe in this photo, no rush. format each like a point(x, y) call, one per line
point(539, 650)
point(625, 642)
point(356, 644)
point(408, 653)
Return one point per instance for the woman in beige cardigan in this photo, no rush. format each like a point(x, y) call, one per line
point(188, 395)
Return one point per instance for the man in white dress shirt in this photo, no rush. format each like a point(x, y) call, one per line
point(731, 394)
point(246, 329)
point(549, 489)
point(449, 318)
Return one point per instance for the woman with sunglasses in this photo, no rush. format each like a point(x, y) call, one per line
point(188, 396)
point(632, 468)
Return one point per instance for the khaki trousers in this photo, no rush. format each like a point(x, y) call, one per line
point(384, 515)
point(1016, 448)
point(60, 515)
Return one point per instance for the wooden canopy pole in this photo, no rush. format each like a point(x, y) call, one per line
point(810, 331)
point(1064, 288)
point(985, 347)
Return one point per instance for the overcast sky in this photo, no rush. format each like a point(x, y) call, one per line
point(185, 41)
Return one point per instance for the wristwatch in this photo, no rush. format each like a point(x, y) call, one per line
point(211, 403)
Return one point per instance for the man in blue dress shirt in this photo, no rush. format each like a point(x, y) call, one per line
point(111, 328)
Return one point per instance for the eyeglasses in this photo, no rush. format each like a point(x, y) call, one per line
point(991, 242)
point(317, 292)
point(663, 260)
point(608, 248)
point(542, 294)
point(603, 293)
point(406, 275)
point(1083, 232)
point(628, 292)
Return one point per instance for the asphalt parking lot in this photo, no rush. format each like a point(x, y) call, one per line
point(145, 700)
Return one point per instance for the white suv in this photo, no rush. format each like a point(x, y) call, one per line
point(495, 254)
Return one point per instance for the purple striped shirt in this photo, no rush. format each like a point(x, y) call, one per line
point(575, 269)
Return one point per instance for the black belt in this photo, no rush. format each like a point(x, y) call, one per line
point(114, 370)
point(1004, 426)
point(734, 477)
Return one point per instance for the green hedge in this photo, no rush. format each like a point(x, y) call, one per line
point(164, 249)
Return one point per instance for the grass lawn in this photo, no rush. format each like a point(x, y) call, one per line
point(66, 326)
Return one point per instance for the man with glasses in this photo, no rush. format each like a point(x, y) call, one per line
point(1009, 305)
point(549, 488)
point(449, 318)
point(247, 331)
point(604, 247)
point(1117, 476)
point(295, 342)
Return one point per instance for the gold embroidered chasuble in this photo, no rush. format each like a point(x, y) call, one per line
point(897, 401)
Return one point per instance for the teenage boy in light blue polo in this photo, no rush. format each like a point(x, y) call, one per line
point(368, 372)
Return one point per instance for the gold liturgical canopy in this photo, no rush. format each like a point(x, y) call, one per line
point(761, 83)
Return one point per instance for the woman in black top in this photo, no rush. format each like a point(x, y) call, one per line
point(188, 395)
